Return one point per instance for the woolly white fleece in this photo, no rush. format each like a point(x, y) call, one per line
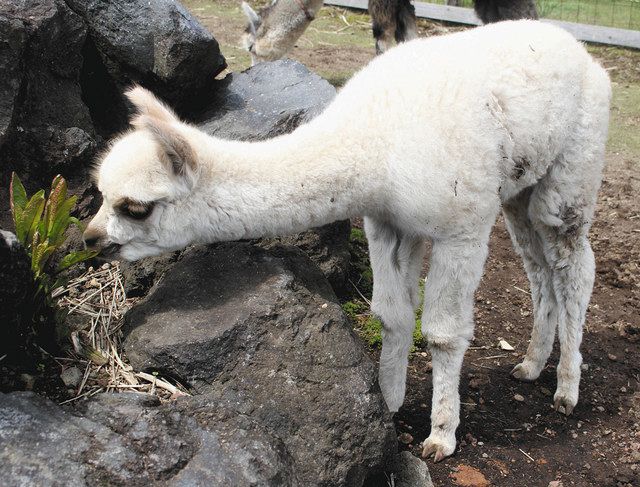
point(428, 141)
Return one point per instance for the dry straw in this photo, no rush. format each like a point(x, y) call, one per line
point(96, 303)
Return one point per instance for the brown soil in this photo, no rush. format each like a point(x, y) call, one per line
point(517, 443)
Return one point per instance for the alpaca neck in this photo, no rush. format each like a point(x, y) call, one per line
point(284, 185)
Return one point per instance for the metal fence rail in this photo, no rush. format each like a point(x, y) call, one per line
point(557, 12)
point(623, 14)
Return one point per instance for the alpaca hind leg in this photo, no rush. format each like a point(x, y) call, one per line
point(562, 207)
point(392, 257)
point(529, 245)
point(447, 324)
point(573, 266)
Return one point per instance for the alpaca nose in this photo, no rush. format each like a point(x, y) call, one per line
point(90, 242)
point(92, 239)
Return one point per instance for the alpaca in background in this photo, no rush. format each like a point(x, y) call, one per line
point(509, 116)
point(272, 33)
point(496, 10)
point(396, 19)
point(392, 19)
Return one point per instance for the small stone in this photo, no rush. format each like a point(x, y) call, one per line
point(519, 397)
point(612, 357)
point(93, 283)
point(28, 380)
point(556, 483)
point(584, 367)
point(623, 389)
point(545, 391)
point(600, 409)
point(505, 345)
point(405, 438)
point(71, 377)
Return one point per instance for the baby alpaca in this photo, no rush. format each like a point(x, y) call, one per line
point(273, 32)
point(429, 141)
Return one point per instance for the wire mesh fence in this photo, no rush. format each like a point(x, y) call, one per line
point(623, 14)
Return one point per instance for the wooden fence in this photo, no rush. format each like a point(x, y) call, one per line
point(584, 32)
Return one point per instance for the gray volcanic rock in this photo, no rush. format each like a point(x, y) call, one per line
point(141, 275)
point(410, 471)
point(44, 125)
point(259, 332)
point(328, 248)
point(130, 439)
point(159, 44)
point(264, 101)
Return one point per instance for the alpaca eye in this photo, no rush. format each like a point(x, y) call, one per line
point(136, 209)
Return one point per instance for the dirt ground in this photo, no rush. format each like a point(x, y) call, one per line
point(503, 441)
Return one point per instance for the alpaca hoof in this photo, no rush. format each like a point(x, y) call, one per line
point(438, 447)
point(564, 404)
point(525, 372)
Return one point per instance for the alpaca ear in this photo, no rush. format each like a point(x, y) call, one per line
point(175, 151)
point(252, 17)
point(147, 104)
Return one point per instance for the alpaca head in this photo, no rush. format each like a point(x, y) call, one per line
point(146, 179)
point(267, 37)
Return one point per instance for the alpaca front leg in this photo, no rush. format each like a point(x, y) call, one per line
point(447, 324)
point(393, 261)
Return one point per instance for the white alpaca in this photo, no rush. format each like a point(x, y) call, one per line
point(428, 141)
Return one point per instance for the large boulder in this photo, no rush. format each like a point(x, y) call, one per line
point(260, 332)
point(264, 101)
point(130, 439)
point(44, 125)
point(158, 44)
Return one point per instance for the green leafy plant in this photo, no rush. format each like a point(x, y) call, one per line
point(40, 225)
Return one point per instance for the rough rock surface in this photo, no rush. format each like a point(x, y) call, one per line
point(140, 276)
point(130, 439)
point(158, 44)
point(15, 288)
point(44, 124)
point(410, 471)
point(260, 333)
point(267, 100)
point(328, 248)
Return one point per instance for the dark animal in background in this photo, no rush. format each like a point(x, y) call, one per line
point(496, 10)
point(396, 19)
point(392, 19)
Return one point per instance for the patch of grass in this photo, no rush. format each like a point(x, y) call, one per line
point(357, 309)
point(624, 129)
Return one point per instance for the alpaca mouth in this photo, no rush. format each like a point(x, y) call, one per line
point(110, 251)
